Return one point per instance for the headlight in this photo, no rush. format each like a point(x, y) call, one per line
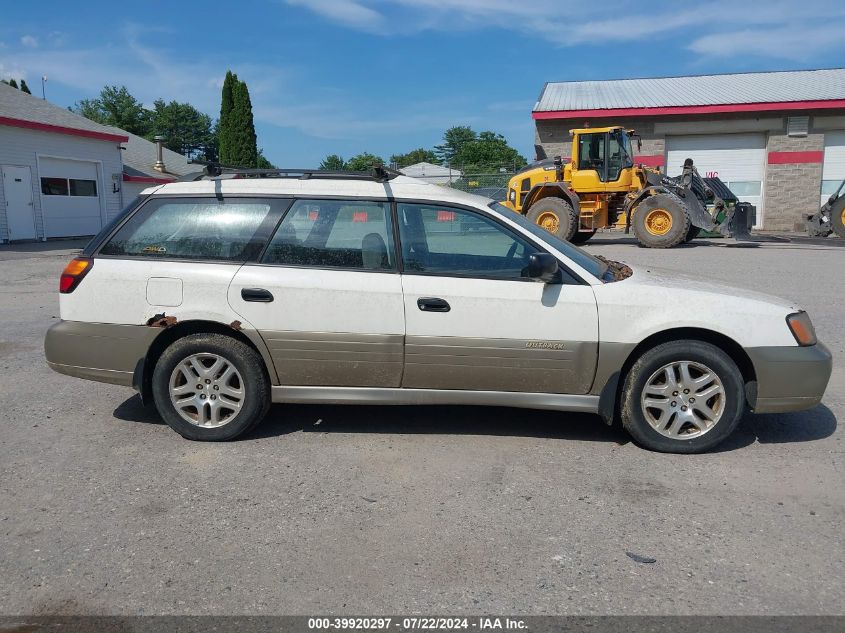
point(512, 195)
point(802, 328)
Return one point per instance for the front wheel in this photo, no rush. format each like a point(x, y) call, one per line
point(682, 397)
point(210, 387)
point(661, 221)
point(555, 215)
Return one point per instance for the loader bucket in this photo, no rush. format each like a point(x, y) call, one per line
point(738, 226)
point(741, 222)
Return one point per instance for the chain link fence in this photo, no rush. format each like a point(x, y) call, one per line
point(483, 180)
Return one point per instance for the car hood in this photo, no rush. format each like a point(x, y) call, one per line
point(652, 300)
point(669, 279)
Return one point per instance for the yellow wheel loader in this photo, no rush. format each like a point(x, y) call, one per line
point(601, 186)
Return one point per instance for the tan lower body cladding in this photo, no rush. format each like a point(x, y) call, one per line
point(376, 360)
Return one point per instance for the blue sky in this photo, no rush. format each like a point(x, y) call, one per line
point(387, 76)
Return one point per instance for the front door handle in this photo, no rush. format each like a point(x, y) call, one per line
point(433, 304)
point(256, 294)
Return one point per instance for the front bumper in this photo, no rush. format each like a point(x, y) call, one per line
point(103, 352)
point(789, 378)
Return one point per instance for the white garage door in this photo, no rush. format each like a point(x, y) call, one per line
point(737, 159)
point(70, 197)
point(834, 163)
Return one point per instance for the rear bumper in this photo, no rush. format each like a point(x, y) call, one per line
point(103, 352)
point(790, 378)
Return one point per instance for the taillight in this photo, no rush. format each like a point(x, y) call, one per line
point(73, 273)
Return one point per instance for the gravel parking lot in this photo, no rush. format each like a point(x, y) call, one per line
point(324, 509)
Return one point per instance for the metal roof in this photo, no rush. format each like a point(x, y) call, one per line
point(702, 90)
point(16, 104)
point(139, 157)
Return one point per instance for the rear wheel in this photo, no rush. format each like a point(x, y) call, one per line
point(837, 216)
point(555, 215)
point(682, 397)
point(661, 221)
point(211, 387)
point(581, 237)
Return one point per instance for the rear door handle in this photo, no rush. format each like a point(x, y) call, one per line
point(256, 294)
point(433, 304)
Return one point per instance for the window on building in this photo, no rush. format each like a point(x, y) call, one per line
point(191, 229)
point(54, 186)
point(83, 187)
point(334, 234)
point(742, 188)
point(69, 187)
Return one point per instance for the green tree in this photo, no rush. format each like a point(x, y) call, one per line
point(13, 83)
point(333, 162)
point(186, 130)
point(238, 143)
point(24, 87)
point(223, 127)
point(489, 149)
point(115, 106)
point(419, 155)
point(263, 163)
point(363, 162)
point(453, 141)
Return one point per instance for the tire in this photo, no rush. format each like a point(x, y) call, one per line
point(555, 215)
point(238, 390)
point(837, 216)
point(582, 237)
point(661, 221)
point(692, 233)
point(667, 428)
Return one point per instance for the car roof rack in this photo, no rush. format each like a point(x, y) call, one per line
point(214, 171)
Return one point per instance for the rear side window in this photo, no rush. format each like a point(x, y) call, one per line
point(334, 234)
point(192, 228)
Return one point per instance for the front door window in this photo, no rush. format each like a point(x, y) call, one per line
point(447, 241)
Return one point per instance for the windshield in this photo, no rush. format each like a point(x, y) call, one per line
point(591, 264)
point(625, 143)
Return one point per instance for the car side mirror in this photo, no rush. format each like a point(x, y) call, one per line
point(543, 267)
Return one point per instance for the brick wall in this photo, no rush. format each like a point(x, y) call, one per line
point(791, 189)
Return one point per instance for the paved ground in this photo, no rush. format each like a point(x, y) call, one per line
point(104, 510)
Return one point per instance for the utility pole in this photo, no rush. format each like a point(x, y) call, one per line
point(43, 92)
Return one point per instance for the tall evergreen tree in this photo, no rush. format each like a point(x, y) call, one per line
point(13, 83)
point(223, 125)
point(243, 145)
point(24, 87)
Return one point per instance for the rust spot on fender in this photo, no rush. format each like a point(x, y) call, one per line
point(236, 325)
point(161, 320)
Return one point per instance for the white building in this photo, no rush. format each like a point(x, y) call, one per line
point(66, 176)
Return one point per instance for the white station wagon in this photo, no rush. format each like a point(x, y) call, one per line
point(217, 296)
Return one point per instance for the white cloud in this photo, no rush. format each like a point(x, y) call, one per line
point(11, 72)
point(797, 43)
point(348, 12)
point(29, 41)
point(563, 24)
